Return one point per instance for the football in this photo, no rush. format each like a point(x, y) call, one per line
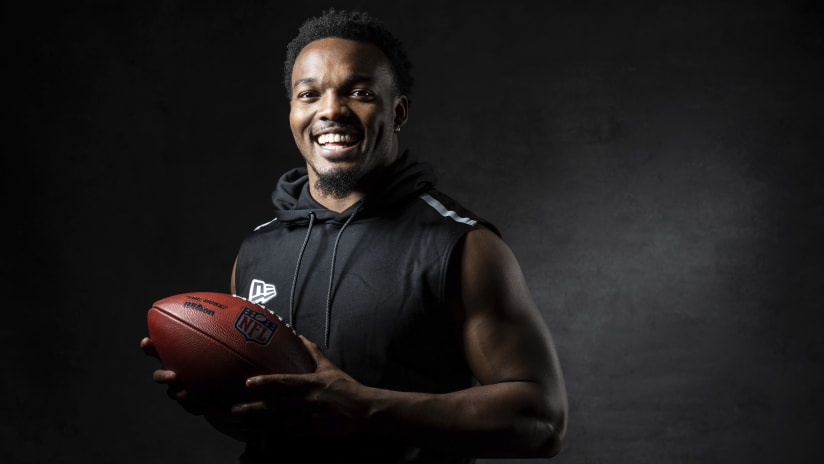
point(215, 341)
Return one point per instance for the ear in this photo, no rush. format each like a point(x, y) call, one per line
point(401, 110)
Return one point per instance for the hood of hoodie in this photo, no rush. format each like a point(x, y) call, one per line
point(403, 180)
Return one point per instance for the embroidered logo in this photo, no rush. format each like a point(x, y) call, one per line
point(260, 292)
point(255, 326)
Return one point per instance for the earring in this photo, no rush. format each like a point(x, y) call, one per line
point(397, 128)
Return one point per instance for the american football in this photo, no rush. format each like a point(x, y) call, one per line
point(215, 341)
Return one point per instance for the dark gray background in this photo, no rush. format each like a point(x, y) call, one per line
point(654, 165)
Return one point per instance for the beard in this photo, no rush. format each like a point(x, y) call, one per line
point(337, 183)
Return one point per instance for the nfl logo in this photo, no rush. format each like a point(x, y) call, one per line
point(255, 327)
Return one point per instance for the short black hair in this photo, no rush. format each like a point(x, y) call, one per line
point(352, 25)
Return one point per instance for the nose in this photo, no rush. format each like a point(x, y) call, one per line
point(332, 106)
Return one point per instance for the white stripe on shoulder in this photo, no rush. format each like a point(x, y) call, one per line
point(441, 209)
point(266, 224)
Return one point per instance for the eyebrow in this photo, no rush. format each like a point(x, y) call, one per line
point(305, 80)
point(352, 79)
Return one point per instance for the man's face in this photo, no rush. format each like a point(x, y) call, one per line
point(343, 112)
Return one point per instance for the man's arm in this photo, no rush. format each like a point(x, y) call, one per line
point(520, 408)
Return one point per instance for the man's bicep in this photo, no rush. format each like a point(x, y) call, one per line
point(505, 336)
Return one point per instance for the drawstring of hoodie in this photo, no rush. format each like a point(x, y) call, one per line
point(297, 268)
point(332, 278)
point(292, 309)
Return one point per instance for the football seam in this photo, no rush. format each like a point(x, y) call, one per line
point(209, 337)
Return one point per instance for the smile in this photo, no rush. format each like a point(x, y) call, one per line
point(337, 141)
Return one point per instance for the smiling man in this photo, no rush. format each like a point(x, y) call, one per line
point(429, 346)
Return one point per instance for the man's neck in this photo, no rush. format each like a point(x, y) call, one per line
point(336, 204)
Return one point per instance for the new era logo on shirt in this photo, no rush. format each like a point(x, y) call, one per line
point(260, 292)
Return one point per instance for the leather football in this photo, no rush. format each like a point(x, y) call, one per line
point(215, 341)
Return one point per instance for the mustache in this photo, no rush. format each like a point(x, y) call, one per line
point(333, 127)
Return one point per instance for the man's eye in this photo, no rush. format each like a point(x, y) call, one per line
point(362, 93)
point(306, 94)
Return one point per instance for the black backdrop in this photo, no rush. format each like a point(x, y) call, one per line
point(655, 166)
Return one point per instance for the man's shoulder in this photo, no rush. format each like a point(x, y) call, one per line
point(450, 210)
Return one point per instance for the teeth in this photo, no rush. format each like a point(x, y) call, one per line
point(335, 138)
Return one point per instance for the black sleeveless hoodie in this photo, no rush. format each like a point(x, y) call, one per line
point(367, 285)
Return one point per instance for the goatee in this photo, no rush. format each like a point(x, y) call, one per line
point(337, 183)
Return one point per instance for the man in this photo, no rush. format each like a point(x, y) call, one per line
point(429, 346)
